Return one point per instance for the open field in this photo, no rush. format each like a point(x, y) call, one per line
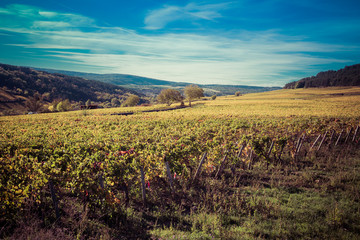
point(280, 165)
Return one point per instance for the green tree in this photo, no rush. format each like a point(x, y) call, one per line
point(59, 107)
point(53, 105)
point(193, 92)
point(169, 96)
point(115, 102)
point(131, 101)
point(64, 106)
point(88, 102)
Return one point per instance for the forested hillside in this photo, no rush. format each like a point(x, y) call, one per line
point(348, 76)
point(17, 84)
point(27, 81)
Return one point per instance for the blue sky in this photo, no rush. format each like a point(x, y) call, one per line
point(262, 43)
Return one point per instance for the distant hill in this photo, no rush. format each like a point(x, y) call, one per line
point(152, 87)
point(17, 84)
point(348, 76)
point(117, 79)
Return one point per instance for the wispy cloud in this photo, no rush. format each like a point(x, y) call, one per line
point(159, 18)
point(252, 58)
point(32, 17)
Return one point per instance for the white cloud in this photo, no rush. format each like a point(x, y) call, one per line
point(249, 58)
point(50, 25)
point(207, 11)
point(48, 14)
point(159, 18)
point(4, 11)
point(28, 14)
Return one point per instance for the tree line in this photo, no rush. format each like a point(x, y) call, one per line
point(36, 103)
point(348, 76)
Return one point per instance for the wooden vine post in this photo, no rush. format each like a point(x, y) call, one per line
point(317, 139)
point(332, 135)
point(53, 197)
point(240, 151)
point(200, 165)
point(337, 141)
point(348, 135)
point(239, 154)
point(298, 147)
point(356, 131)
point(222, 164)
point(322, 141)
point(250, 159)
point(268, 154)
point(299, 144)
point(143, 187)
point(270, 149)
point(168, 172)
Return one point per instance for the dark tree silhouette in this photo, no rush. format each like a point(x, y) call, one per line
point(348, 76)
point(35, 103)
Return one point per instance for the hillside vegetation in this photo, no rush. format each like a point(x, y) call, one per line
point(348, 76)
point(17, 84)
point(277, 165)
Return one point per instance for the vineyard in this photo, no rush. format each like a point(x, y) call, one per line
point(276, 165)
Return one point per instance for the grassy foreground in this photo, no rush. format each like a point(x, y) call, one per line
point(77, 175)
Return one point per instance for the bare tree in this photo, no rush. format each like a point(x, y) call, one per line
point(34, 103)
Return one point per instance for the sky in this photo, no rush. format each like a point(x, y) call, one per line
point(258, 43)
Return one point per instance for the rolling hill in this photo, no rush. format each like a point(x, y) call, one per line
point(17, 84)
point(152, 87)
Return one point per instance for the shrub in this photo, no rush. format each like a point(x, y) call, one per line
point(131, 101)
